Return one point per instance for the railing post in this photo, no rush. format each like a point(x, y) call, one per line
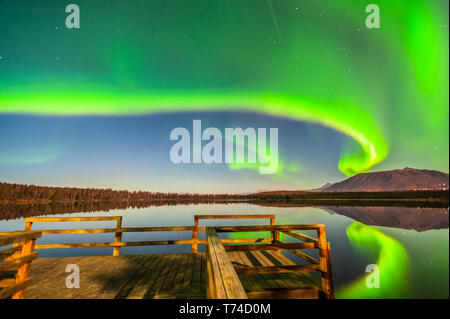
point(28, 225)
point(24, 270)
point(118, 237)
point(330, 272)
point(324, 261)
point(276, 233)
point(195, 235)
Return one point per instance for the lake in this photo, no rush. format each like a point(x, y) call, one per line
point(409, 245)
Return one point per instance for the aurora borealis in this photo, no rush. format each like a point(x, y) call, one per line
point(94, 107)
point(385, 90)
point(393, 262)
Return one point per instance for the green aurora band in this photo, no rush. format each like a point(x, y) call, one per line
point(393, 263)
point(392, 260)
point(283, 168)
point(361, 128)
point(327, 68)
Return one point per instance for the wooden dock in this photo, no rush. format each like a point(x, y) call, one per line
point(228, 269)
point(128, 276)
point(158, 276)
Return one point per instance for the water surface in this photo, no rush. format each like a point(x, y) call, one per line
point(411, 245)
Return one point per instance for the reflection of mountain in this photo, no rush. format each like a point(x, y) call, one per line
point(395, 180)
point(419, 219)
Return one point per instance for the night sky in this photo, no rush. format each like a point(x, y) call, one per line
point(94, 107)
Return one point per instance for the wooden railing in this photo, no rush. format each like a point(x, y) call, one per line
point(275, 235)
point(323, 265)
point(16, 262)
point(118, 230)
point(215, 248)
point(223, 282)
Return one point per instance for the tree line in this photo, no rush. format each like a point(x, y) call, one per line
point(11, 194)
point(19, 193)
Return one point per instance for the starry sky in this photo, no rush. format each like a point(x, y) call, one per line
point(94, 107)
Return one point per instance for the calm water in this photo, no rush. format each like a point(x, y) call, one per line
point(410, 245)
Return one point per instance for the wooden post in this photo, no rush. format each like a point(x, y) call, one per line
point(195, 236)
point(24, 270)
point(330, 272)
point(276, 233)
point(28, 225)
point(323, 254)
point(118, 237)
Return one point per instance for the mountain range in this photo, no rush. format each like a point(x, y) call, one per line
point(394, 180)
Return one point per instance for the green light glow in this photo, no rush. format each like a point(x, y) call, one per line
point(283, 168)
point(393, 263)
point(96, 102)
point(387, 88)
point(29, 156)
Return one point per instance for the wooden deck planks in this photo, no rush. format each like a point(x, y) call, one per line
point(273, 280)
point(128, 287)
point(47, 279)
point(267, 282)
point(250, 282)
point(169, 281)
point(162, 272)
point(236, 262)
point(201, 265)
point(178, 278)
point(146, 280)
point(249, 258)
point(185, 282)
point(155, 276)
point(198, 283)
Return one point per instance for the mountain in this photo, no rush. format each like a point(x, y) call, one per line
point(320, 189)
point(395, 180)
